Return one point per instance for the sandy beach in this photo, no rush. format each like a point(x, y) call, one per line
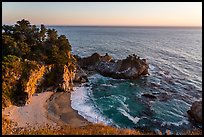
point(48, 108)
point(59, 110)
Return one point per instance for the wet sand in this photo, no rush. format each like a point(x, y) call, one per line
point(59, 110)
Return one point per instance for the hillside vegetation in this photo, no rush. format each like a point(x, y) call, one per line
point(29, 53)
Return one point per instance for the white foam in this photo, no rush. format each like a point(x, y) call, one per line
point(133, 119)
point(122, 99)
point(96, 77)
point(132, 84)
point(175, 123)
point(151, 67)
point(81, 101)
point(108, 85)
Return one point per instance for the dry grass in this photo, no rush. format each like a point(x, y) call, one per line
point(99, 129)
point(193, 132)
point(9, 127)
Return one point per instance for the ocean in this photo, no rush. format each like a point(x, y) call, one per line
point(175, 60)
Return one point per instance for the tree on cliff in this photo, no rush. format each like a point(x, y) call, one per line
point(24, 47)
point(52, 35)
point(29, 42)
point(42, 33)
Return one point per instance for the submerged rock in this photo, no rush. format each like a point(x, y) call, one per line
point(196, 111)
point(149, 96)
point(164, 97)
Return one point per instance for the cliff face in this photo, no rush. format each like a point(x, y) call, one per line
point(33, 80)
point(66, 82)
point(32, 75)
point(21, 79)
point(44, 78)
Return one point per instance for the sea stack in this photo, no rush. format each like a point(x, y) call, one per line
point(130, 68)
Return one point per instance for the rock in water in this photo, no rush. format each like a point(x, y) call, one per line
point(80, 76)
point(130, 68)
point(90, 62)
point(149, 96)
point(196, 111)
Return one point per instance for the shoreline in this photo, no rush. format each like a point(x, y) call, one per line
point(47, 108)
point(59, 109)
point(55, 112)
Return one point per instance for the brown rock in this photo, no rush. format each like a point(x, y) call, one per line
point(91, 61)
point(80, 76)
point(196, 111)
point(66, 79)
point(130, 68)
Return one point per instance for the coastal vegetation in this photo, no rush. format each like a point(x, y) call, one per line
point(29, 52)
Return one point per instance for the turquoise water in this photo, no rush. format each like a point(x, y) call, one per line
point(175, 79)
point(121, 101)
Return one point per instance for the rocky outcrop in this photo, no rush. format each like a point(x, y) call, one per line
point(59, 79)
point(63, 75)
point(90, 63)
point(27, 82)
point(196, 111)
point(45, 78)
point(66, 77)
point(130, 68)
point(80, 76)
point(33, 80)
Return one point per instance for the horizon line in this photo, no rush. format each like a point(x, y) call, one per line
point(159, 26)
point(119, 25)
point(124, 26)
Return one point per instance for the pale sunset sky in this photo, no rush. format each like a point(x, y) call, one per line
point(104, 13)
